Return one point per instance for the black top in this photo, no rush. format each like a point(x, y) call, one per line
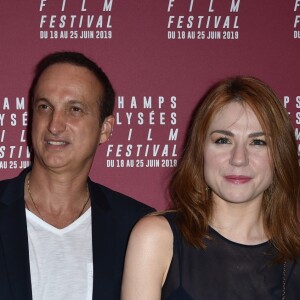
point(227, 270)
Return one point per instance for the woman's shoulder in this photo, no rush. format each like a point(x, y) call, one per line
point(151, 245)
point(148, 257)
point(155, 226)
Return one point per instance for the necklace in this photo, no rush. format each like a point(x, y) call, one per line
point(283, 281)
point(36, 208)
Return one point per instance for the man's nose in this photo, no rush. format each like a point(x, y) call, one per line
point(57, 123)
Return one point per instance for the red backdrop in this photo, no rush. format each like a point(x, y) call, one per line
point(161, 56)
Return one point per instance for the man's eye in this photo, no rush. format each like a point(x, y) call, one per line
point(43, 107)
point(222, 141)
point(258, 142)
point(76, 109)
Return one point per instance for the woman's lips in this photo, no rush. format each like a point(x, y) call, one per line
point(238, 179)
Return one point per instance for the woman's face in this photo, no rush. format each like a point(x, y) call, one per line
point(237, 164)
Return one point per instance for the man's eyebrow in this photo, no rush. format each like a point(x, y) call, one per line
point(71, 101)
point(40, 99)
point(75, 101)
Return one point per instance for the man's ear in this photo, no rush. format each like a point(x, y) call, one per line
point(106, 129)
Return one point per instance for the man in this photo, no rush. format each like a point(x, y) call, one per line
point(63, 236)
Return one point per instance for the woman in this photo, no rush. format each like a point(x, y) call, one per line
point(234, 232)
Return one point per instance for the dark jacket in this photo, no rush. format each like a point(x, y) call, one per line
point(113, 216)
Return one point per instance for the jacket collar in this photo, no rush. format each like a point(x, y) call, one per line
point(13, 232)
point(104, 243)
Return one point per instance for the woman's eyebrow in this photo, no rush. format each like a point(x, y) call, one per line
point(229, 133)
point(256, 134)
point(225, 132)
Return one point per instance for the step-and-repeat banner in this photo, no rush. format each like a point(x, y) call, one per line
point(161, 56)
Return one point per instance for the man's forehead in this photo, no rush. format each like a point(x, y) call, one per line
point(69, 73)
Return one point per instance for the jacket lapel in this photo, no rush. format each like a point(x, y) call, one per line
point(13, 232)
point(104, 245)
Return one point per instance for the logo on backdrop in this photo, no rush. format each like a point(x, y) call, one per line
point(297, 19)
point(150, 133)
point(14, 152)
point(292, 104)
point(83, 19)
point(203, 20)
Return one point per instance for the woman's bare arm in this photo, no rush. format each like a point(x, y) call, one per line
point(148, 257)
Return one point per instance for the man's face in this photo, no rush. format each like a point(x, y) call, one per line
point(66, 127)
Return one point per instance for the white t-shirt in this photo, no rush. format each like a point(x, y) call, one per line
point(61, 260)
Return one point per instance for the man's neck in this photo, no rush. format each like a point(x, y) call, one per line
point(56, 198)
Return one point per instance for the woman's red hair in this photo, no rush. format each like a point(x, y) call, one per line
point(280, 202)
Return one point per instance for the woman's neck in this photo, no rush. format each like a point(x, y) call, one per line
point(239, 222)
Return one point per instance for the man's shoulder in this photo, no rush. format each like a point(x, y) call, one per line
point(7, 181)
point(12, 185)
point(118, 201)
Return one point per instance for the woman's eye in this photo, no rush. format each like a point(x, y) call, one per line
point(222, 141)
point(258, 142)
